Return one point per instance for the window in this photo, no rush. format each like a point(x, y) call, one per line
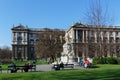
point(111, 33)
point(111, 40)
point(105, 34)
point(37, 40)
point(31, 35)
point(14, 34)
point(19, 48)
point(92, 33)
point(117, 33)
point(19, 33)
point(31, 41)
point(80, 36)
point(19, 39)
point(14, 38)
point(31, 49)
point(117, 40)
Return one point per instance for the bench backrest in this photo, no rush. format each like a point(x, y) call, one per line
point(69, 64)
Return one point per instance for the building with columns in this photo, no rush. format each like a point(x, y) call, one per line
point(23, 42)
point(23, 39)
point(87, 41)
point(91, 41)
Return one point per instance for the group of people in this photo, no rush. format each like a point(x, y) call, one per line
point(26, 67)
point(87, 62)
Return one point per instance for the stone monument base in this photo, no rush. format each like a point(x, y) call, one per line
point(68, 60)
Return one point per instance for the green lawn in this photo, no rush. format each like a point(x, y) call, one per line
point(103, 72)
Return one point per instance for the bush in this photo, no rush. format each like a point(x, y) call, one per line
point(111, 60)
point(96, 60)
point(106, 60)
point(102, 60)
point(118, 60)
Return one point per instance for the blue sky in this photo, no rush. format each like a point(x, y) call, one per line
point(46, 13)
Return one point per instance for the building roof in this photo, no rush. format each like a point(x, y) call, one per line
point(20, 27)
point(79, 25)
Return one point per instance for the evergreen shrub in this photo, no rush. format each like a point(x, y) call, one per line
point(106, 60)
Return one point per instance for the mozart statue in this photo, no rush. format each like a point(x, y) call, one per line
point(67, 54)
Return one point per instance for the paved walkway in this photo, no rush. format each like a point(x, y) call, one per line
point(46, 67)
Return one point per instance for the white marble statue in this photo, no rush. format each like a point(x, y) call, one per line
point(67, 55)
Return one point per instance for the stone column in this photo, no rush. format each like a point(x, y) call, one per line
point(108, 52)
point(86, 50)
point(26, 52)
point(13, 36)
point(73, 36)
point(83, 52)
point(95, 37)
point(86, 36)
point(115, 55)
point(15, 51)
point(76, 36)
point(95, 54)
point(83, 37)
point(22, 52)
point(86, 45)
point(108, 37)
point(108, 46)
point(114, 36)
point(101, 36)
point(77, 42)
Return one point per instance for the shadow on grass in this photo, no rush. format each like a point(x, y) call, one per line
point(94, 66)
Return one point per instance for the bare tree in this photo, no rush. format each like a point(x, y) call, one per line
point(98, 17)
point(49, 44)
point(5, 54)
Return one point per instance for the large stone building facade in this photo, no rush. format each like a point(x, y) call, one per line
point(87, 41)
point(23, 42)
point(91, 41)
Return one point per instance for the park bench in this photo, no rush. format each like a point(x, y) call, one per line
point(1, 69)
point(58, 66)
point(17, 67)
point(68, 66)
point(31, 68)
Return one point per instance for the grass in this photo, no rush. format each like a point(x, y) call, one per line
point(103, 72)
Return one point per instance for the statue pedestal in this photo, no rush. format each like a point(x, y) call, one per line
point(68, 60)
point(64, 59)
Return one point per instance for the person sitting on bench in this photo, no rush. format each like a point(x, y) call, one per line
point(61, 65)
point(13, 68)
point(26, 67)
